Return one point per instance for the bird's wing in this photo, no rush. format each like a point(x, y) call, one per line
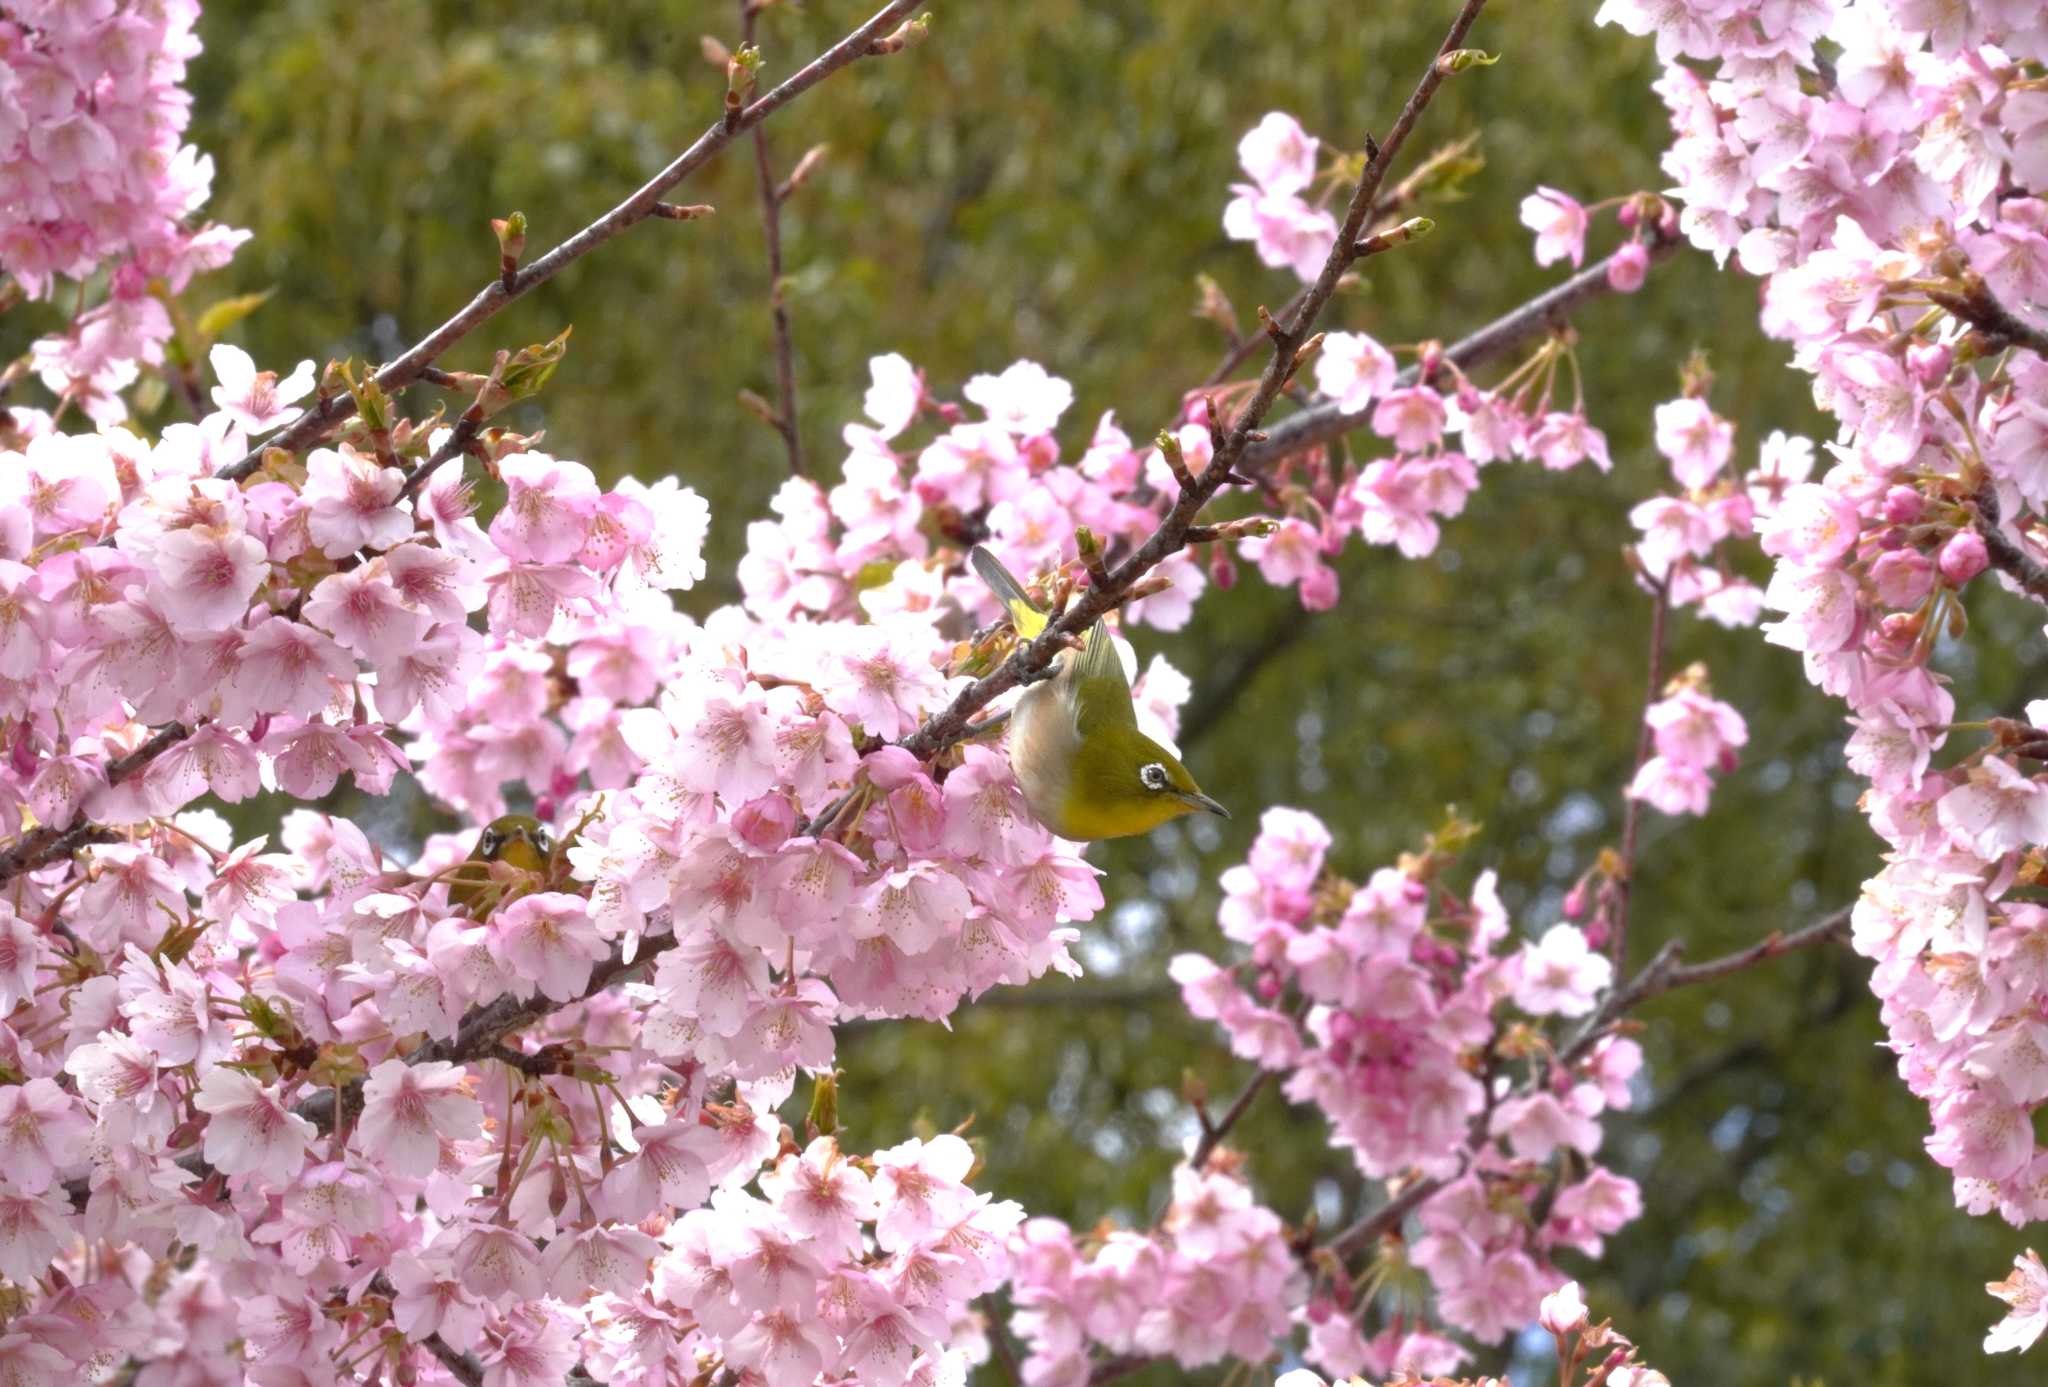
point(1097, 692)
point(1024, 613)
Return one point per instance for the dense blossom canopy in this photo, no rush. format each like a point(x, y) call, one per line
point(317, 1103)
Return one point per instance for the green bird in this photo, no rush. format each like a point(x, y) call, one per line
point(1086, 770)
point(519, 841)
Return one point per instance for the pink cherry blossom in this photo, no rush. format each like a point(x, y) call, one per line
point(256, 400)
point(1559, 223)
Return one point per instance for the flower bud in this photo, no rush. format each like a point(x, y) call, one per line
point(1575, 900)
point(1929, 362)
point(1563, 1311)
point(765, 823)
point(1902, 577)
point(1627, 267)
point(1898, 631)
point(1902, 505)
point(891, 766)
point(1963, 557)
point(1629, 214)
point(1222, 569)
point(1270, 986)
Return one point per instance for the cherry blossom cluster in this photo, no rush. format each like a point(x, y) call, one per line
point(1214, 1279)
point(1694, 736)
point(92, 118)
point(1440, 426)
point(1401, 1012)
point(1888, 196)
point(1588, 1355)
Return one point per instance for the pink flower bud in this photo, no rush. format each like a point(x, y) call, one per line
point(1627, 267)
point(1667, 225)
point(1929, 362)
point(1269, 986)
point(1575, 900)
point(1563, 1311)
point(1902, 505)
point(1902, 577)
point(1222, 568)
point(891, 766)
point(1963, 557)
point(1596, 930)
point(22, 756)
point(765, 822)
point(1628, 214)
point(1898, 631)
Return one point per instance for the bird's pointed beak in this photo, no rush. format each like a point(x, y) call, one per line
point(1198, 800)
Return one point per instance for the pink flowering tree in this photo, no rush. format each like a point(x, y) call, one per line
point(295, 1106)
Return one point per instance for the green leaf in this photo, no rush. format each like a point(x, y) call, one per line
point(221, 316)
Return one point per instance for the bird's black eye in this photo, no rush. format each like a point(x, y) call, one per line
point(489, 844)
point(1153, 775)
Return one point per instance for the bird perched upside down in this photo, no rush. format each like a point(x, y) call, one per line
point(1075, 748)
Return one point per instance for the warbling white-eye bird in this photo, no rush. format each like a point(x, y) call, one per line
point(1086, 770)
point(517, 840)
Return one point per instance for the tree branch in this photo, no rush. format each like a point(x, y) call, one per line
point(1029, 661)
point(1668, 971)
point(1976, 305)
point(1632, 807)
point(870, 38)
point(2006, 556)
point(1543, 314)
point(778, 306)
point(41, 846)
point(1213, 1133)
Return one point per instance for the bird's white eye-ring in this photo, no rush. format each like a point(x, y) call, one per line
point(542, 839)
point(489, 844)
point(1153, 775)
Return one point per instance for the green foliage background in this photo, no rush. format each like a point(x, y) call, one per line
point(1045, 180)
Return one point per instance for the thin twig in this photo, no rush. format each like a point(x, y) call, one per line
point(1213, 1133)
point(1385, 1219)
point(1668, 971)
point(999, 1340)
point(1632, 807)
point(870, 38)
point(778, 303)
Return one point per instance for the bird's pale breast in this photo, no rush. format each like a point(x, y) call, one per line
point(1043, 745)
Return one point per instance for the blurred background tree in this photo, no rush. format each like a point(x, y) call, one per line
point(1045, 180)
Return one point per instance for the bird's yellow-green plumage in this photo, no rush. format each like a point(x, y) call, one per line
point(517, 841)
point(1086, 770)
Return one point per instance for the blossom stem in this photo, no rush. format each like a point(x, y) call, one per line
point(1632, 808)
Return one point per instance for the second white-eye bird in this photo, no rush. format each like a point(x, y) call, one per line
point(1085, 768)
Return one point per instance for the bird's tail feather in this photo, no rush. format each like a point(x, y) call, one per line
point(1024, 613)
